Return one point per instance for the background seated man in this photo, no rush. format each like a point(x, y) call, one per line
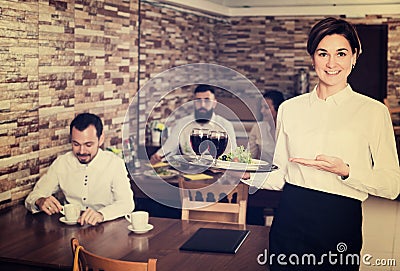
point(262, 135)
point(203, 116)
point(94, 179)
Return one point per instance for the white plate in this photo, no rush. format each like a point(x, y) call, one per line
point(153, 174)
point(68, 222)
point(149, 227)
point(206, 162)
point(256, 165)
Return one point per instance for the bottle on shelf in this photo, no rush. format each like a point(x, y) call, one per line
point(134, 155)
point(127, 155)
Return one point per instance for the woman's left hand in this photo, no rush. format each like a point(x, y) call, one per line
point(331, 164)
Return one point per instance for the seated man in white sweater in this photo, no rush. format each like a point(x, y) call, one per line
point(89, 177)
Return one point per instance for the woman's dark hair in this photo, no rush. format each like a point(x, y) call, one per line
point(330, 26)
point(276, 97)
point(83, 120)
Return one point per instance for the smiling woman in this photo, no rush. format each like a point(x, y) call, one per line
point(334, 147)
point(333, 61)
point(334, 52)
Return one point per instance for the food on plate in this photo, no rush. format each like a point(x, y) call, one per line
point(164, 172)
point(161, 172)
point(240, 154)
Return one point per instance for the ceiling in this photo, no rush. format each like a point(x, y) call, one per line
point(350, 8)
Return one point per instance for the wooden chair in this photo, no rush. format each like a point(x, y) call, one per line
point(213, 202)
point(85, 260)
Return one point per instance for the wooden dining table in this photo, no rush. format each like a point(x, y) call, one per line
point(41, 242)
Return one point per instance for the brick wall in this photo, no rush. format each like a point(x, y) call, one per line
point(270, 51)
point(170, 37)
point(60, 58)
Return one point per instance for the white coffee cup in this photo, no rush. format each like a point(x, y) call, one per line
point(138, 219)
point(71, 212)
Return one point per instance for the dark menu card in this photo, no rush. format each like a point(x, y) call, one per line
point(215, 240)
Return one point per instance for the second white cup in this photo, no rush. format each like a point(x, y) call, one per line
point(138, 219)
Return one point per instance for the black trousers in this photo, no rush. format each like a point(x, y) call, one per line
point(315, 231)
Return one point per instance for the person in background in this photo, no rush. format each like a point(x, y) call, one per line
point(334, 147)
point(262, 134)
point(178, 141)
point(94, 179)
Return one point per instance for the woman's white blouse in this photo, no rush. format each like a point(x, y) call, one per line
point(346, 125)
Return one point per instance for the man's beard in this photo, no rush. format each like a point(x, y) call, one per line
point(203, 115)
point(85, 161)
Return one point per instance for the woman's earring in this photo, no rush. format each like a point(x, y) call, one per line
point(352, 66)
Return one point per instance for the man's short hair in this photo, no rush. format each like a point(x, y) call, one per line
point(204, 88)
point(83, 120)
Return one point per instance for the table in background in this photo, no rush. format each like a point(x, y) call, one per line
point(41, 242)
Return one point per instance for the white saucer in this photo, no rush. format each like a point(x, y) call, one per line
point(68, 222)
point(149, 227)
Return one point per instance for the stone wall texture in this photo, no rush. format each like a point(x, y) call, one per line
point(271, 51)
point(61, 58)
point(58, 59)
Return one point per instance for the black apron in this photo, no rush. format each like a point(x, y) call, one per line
point(314, 230)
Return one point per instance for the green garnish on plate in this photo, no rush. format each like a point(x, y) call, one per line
point(240, 154)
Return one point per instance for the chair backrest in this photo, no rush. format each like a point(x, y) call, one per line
point(213, 202)
point(85, 260)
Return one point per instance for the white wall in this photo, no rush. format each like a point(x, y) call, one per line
point(381, 232)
